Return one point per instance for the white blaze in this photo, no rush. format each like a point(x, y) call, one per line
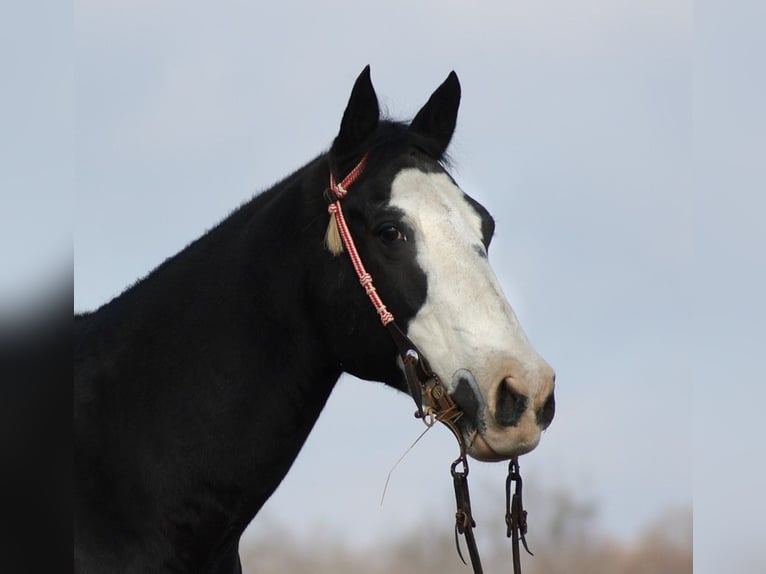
point(466, 321)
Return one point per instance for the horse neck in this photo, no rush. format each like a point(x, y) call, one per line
point(211, 377)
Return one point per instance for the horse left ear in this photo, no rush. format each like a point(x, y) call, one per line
point(438, 117)
point(360, 118)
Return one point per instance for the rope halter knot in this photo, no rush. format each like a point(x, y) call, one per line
point(339, 191)
point(333, 195)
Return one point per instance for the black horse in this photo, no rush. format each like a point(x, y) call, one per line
point(196, 388)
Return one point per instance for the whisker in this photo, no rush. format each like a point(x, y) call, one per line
point(406, 452)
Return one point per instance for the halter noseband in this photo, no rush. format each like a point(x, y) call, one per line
point(421, 381)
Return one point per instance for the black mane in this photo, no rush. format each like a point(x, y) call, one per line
point(391, 139)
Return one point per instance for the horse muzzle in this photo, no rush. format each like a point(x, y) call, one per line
point(505, 420)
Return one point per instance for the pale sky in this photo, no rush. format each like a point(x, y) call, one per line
point(583, 128)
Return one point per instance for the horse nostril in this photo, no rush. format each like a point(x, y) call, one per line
point(465, 397)
point(510, 405)
point(545, 413)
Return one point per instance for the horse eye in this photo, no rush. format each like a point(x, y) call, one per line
point(390, 234)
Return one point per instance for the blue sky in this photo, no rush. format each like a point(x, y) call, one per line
point(600, 134)
point(726, 330)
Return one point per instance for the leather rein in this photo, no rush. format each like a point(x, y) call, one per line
point(426, 387)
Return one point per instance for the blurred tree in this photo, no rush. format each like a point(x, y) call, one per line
point(565, 539)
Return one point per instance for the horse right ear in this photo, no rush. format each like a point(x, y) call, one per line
point(438, 117)
point(360, 118)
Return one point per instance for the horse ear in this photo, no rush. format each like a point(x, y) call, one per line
point(438, 117)
point(360, 118)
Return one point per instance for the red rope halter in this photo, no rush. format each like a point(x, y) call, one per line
point(339, 190)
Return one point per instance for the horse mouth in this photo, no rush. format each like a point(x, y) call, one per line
point(481, 446)
point(486, 439)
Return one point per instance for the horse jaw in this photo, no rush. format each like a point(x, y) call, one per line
point(466, 328)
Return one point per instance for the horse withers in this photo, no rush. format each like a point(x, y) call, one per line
point(196, 387)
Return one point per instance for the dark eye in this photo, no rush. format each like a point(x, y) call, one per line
point(390, 234)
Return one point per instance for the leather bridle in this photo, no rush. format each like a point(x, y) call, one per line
point(424, 383)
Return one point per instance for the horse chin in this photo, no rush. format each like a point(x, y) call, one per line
point(483, 448)
point(479, 449)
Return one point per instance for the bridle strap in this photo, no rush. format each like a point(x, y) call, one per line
point(339, 191)
point(416, 368)
point(464, 522)
point(515, 515)
point(417, 371)
point(424, 383)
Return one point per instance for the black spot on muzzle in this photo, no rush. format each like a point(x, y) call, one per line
point(510, 406)
point(466, 399)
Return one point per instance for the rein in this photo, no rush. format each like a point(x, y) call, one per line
point(424, 383)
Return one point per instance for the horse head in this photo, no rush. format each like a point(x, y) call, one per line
point(425, 243)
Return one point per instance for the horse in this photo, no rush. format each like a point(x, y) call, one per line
point(197, 386)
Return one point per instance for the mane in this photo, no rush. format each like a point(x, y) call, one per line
point(391, 139)
point(237, 217)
